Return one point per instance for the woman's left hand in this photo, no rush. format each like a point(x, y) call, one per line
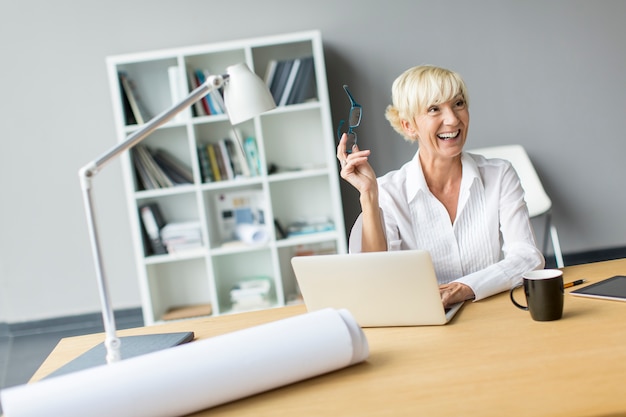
point(455, 292)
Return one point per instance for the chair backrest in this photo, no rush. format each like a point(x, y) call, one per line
point(536, 197)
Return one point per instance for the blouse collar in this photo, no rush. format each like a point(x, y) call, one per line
point(416, 182)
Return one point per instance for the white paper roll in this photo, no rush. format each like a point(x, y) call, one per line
point(200, 374)
point(252, 234)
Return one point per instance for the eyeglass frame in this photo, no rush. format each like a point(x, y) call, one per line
point(353, 105)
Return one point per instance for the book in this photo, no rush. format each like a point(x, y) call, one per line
point(293, 72)
point(175, 169)
point(152, 221)
point(219, 159)
point(146, 160)
point(283, 70)
point(237, 158)
point(138, 110)
point(270, 71)
point(214, 98)
point(215, 169)
point(145, 180)
point(251, 293)
point(181, 236)
point(198, 108)
point(252, 156)
point(205, 165)
point(204, 101)
point(304, 87)
point(272, 81)
point(240, 153)
point(129, 117)
point(227, 163)
point(177, 92)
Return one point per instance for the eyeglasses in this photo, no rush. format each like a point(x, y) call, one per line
point(354, 119)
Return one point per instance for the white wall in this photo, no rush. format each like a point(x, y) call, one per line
point(549, 75)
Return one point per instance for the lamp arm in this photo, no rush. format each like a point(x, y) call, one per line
point(88, 172)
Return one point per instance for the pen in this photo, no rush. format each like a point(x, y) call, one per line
point(573, 283)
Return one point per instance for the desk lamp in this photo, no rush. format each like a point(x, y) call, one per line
point(245, 96)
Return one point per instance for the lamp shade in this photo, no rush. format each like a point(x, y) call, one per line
point(245, 94)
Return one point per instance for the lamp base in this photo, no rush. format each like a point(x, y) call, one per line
point(131, 346)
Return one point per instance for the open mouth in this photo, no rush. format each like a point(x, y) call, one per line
point(449, 135)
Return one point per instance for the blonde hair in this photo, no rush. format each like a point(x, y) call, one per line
point(418, 88)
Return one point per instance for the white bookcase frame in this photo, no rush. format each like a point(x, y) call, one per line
point(298, 138)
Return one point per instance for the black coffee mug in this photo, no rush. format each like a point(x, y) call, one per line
point(544, 294)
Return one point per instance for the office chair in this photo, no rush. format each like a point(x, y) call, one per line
point(537, 200)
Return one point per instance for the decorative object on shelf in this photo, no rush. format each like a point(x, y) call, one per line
point(241, 217)
point(246, 96)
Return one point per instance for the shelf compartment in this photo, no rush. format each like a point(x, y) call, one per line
point(306, 206)
point(176, 285)
point(144, 75)
point(172, 208)
point(173, 141)
point(295, 140)
point(262, 55)
point(231, 269)
point(235, 205)
point(213, 134)
point(215, 62)
point(289, 282)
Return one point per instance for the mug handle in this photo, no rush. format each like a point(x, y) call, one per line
point(513, 298)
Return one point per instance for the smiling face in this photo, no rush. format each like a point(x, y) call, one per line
point(430, 105)
point(441, 129)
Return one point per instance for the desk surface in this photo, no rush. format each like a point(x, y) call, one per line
point(492, 359)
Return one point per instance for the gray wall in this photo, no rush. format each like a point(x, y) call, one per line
point(549, 75)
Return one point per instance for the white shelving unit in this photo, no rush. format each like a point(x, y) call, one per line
point(299, 137)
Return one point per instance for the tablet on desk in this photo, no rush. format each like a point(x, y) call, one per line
point(613, 288)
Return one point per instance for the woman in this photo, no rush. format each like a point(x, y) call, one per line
point(467, 211)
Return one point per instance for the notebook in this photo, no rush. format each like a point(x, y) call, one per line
point(397, 288)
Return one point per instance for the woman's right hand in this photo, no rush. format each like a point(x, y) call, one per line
point(355, 167)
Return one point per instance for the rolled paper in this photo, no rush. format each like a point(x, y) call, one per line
point(252, 234)
point(201, 374)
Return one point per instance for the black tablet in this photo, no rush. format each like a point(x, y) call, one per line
point(613, 288)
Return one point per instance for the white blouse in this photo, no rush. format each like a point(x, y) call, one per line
point(491, 243)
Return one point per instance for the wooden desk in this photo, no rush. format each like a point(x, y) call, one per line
point(491, 360)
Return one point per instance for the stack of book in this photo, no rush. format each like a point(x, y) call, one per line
point(226, 160)
point(159, 168)
point(212, 103)
point(291, 81)
point(304, 227)
point(181, 236)
point(251, 294)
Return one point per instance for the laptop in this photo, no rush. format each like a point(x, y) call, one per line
point(397, 288)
